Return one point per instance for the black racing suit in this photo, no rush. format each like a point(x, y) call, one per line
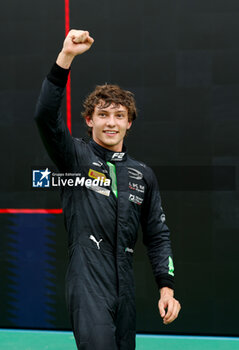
point(102, 228)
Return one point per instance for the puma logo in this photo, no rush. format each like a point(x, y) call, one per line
point(96, 242)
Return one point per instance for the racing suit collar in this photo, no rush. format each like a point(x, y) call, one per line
point(107, 154)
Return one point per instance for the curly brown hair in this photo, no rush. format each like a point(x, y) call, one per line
point(109, 94)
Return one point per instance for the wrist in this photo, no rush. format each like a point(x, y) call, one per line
point(166, 291)
point(64, 59)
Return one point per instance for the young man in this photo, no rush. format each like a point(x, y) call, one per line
point(102, 219)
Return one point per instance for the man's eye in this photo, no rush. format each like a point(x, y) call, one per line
point(102, 114)
point(120, 115)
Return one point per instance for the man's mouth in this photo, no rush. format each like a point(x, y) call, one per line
point(111, 132)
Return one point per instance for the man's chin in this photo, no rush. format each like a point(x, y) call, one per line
point(110, 141)
point(110, 144)
point(107, 142)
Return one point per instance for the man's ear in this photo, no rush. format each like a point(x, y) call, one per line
point(89, 121)
point(129, 124)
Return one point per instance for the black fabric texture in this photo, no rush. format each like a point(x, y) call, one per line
point(165, 281)
point(58, 75)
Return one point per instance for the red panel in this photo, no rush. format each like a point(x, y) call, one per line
point(68, 86)
point(30, 211)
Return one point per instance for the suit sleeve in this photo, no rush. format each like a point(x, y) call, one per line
point(53, 131)
point(156, 235)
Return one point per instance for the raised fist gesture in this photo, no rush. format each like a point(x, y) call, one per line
point(75, 43)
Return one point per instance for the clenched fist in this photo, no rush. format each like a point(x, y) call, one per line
point(75, 43)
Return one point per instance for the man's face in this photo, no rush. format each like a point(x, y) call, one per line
point(109, 126)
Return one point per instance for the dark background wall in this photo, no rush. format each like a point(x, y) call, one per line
point(180, 58)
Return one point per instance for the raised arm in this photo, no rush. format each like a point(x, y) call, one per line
point(54, 133)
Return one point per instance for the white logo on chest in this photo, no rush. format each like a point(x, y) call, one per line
point(95, 241)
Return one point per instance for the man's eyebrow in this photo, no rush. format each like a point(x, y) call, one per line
point(116, 111)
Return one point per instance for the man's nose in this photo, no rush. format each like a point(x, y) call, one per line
point(111, 120)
